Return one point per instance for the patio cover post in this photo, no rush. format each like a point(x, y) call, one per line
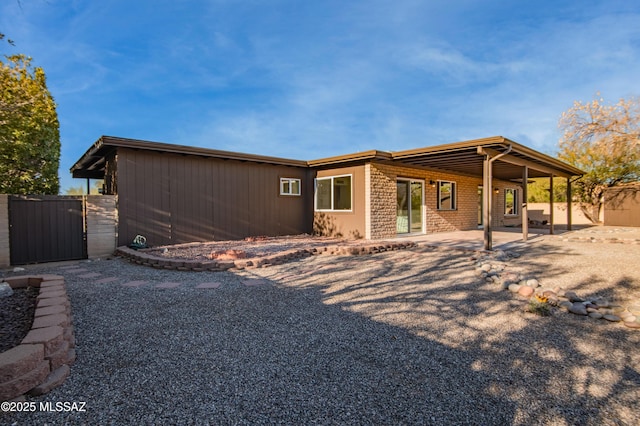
point(525, 211)
point(551, 205)
point(487, 190)
point(486, 201)
point(569, 206)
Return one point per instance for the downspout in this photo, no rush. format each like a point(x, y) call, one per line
point(487, 192)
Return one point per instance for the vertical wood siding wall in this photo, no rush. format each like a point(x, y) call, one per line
point(171, 198)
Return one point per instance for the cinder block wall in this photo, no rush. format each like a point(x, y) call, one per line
point(5, 254)
point(102, 225)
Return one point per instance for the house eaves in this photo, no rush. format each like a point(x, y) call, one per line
point(92, 163)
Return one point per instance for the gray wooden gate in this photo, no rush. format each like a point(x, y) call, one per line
point(46, 229)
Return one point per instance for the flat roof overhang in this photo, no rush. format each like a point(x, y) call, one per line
point(92, 163)
point(466, 158)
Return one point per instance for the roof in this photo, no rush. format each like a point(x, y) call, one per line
point(92, 163)
point(465, 158)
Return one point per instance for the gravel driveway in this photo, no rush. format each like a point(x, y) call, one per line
point(406, 337)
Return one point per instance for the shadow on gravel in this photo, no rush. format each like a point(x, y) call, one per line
point(562, 369)
point(400, 338)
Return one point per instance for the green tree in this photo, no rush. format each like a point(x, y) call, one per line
point(604, 141)
point(538, 190)
point(82, 189)
point(29, 130)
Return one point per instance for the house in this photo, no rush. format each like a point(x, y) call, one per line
point(175, 194)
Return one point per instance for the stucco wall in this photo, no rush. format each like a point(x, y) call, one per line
point(622, 205)
point(347, 224)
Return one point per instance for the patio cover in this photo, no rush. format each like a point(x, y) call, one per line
point(487, 158)
point(492, 157)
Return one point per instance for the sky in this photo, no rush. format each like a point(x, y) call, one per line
point(312, 79)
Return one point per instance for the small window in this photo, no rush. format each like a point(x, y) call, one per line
point(446, 195)
point(510, 202)
point(289, 186)
point(333, 193)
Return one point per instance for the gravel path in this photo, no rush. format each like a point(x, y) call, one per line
point(406, 337)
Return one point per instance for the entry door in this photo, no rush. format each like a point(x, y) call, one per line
point(410, 194)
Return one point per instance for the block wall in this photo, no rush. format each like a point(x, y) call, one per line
point(102, 225)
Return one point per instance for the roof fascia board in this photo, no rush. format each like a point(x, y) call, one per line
point(204, 152)
point(371, 155)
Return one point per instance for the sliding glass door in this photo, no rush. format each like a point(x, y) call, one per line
point(410, 194)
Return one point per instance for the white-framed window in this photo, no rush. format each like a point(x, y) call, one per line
point(333, 193)
point(510, 202)
point(289, 186)
point(446, 195)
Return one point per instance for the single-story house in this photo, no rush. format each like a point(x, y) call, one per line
point(176, 194)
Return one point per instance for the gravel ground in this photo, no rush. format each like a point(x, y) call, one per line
point(405, 337)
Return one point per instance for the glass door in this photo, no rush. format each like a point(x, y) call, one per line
point(409, 213)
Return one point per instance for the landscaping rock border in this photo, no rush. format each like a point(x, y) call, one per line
point(492, 267)
point(147, 259)
point(41, 361)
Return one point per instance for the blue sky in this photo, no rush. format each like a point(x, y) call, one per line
point(312, 79)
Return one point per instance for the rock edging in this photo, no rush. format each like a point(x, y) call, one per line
point(41, 361)
point(492, 267)
point(146, 259)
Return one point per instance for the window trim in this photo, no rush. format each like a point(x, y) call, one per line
point(284, 180)
point(454, 195)
point(516, 211)
point(332, 209)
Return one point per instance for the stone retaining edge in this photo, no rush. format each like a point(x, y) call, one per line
point(41, 361)
point(146, 259)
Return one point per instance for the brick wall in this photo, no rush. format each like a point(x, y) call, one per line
point(382, 201)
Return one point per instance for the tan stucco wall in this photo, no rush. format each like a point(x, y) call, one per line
point(350, 224)
point(622, 206)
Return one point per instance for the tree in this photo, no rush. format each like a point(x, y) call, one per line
point(604, 141)
point(29, 130)
point(538, 191)
point(82, 189)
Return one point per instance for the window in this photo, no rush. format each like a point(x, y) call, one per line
point(289, 186)
point(446, 195)
point(510, 202)
point(333, 193)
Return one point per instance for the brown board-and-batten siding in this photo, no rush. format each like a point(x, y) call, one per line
point(172, 198)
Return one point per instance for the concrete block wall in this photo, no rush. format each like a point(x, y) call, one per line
point(102, 225)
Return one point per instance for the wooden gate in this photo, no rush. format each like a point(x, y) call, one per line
point(46, 229)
